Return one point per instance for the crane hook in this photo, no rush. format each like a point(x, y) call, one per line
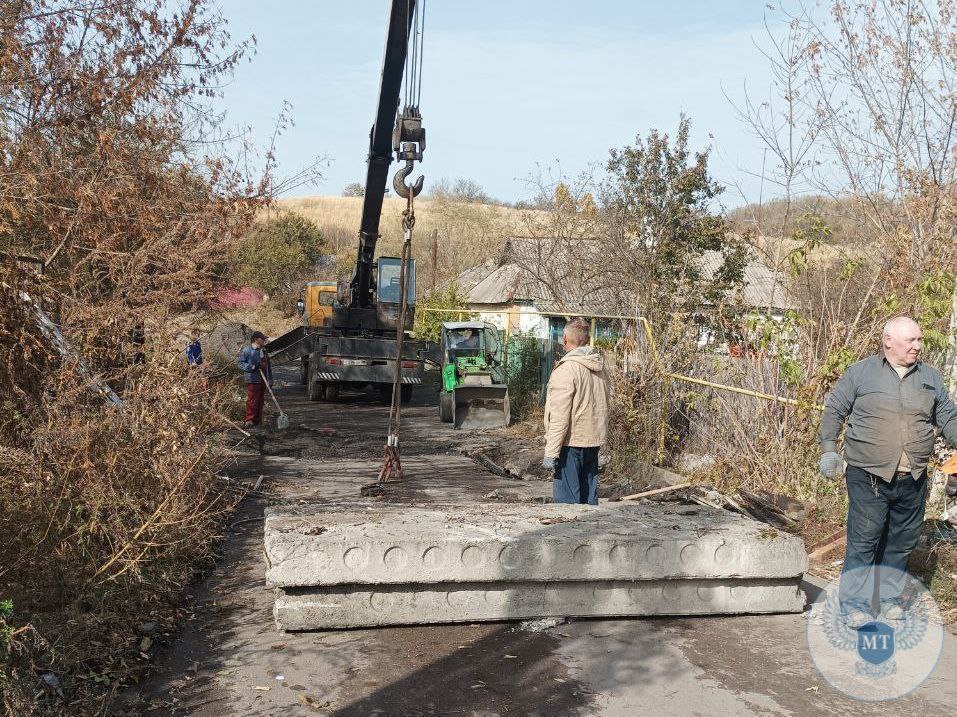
point(399, 185)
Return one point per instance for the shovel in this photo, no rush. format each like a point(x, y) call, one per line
point(282, 420)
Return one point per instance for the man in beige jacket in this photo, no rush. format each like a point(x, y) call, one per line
point(576, 417)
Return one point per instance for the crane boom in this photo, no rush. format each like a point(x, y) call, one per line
point(380, 148)
point(364, 341)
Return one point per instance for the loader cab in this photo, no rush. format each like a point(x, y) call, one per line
point(472, 339)
point(316, 302)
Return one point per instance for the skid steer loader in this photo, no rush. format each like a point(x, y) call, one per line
point(474, 393)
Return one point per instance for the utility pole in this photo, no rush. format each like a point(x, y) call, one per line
point(435, 256)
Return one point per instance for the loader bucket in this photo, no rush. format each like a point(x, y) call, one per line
point(480, 407)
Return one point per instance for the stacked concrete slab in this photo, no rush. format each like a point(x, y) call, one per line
point(355, 565)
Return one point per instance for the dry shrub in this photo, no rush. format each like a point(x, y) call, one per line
point(117, 211)
point(20, 650)
point(636, 424)
point(735, 441)
point(759, 444)
point(649, 420)
point(119, 496)
point(105, 511)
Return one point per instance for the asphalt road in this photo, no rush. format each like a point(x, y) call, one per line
point(231, 661)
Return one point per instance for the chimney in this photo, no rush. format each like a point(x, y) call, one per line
point(506, 256)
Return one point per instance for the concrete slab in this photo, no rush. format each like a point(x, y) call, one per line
point(351, 543)
point(352, 606)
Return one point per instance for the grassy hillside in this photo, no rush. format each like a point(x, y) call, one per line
point(468, 233)
point(842, 218)
point(471, 232)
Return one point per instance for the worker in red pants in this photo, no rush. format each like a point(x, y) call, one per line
point(254, 364)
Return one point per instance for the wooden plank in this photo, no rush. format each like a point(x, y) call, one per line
point(824, 550)
point(656, 491)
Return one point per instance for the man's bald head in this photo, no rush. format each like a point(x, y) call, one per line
point(900, 324)
point(901, 339)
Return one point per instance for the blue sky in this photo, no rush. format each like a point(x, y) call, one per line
point(507, 86)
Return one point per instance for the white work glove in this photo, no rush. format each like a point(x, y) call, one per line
point(831, 465)
point(548, 463)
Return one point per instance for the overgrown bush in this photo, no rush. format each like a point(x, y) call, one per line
point(430, 312)
point(112, 221)
point(278, 253)
point(22, 654)
point(524, 374)
point(646, 422)
point(105, 513)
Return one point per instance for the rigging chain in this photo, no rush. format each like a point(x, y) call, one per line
point(392, 461)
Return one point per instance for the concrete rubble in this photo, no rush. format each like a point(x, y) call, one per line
point(355, 565)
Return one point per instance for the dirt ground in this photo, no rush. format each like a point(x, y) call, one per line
point(229, 660)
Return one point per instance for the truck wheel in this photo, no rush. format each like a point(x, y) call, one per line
point(332, 391)
point(385, 393)
point(406, 394)
point(445, 406)
point(316, 390)
point(304, 370)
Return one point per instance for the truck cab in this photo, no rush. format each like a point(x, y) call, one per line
point(316, 302)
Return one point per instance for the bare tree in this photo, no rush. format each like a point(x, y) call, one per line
point(866, 111)
point(884, 75)
point(786, 123)
point(861, 113)
point(558, 246)
point(354, 189)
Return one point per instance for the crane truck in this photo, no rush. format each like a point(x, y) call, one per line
point(349, 339)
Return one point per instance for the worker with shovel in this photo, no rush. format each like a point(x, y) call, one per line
point(254, 363)
point(892, 402)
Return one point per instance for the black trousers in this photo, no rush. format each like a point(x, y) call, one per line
point(884, 521)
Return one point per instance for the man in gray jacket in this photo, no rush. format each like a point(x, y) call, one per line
point(892, 403)
point(576, 417)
